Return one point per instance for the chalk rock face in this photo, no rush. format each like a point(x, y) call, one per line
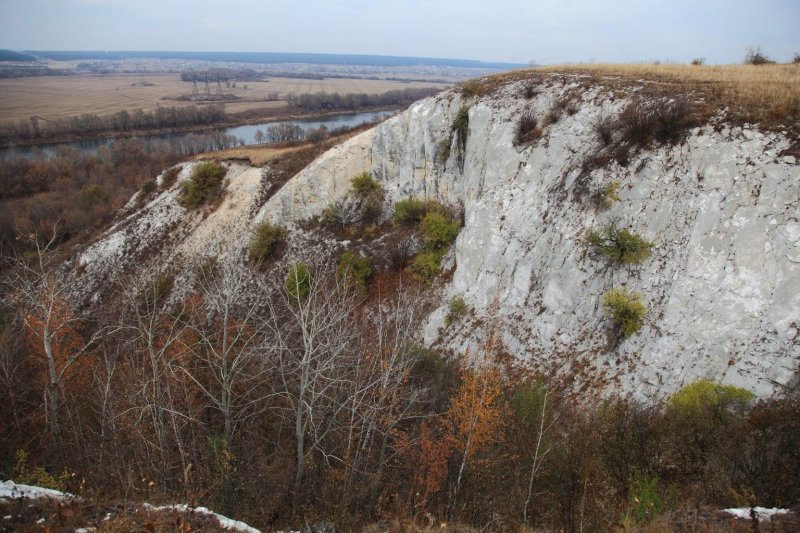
point(722, 286)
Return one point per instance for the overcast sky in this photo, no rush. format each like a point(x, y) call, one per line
point(545, 31)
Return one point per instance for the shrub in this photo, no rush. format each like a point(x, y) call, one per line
point(148, 187)
point(298, 281)
point(355, 269)
point(661, 120)
point(606, 196)
point(427, 265)
point(365, 186)
point(461, 126)
point(411, 211)
point(26, 474)
point(169, 177)
point(438, 230)
point(625, 309)
point(455, 311)
point(442, 153)
point(472, 88)
point(527, 129)
point(697, 61)
point(754, 56)
point(92, 196)
point(604, 127)
point(400, 253)
point(648, 499)
point(796, 58)
point(264, 238)
point(204, 186)
point(619, 246)
point(706, 395)
point(529, 91)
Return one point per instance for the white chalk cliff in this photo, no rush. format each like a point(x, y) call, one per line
point(722, 286)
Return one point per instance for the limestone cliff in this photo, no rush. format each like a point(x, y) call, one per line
point(722, 286)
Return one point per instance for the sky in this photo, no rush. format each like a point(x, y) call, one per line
point(519, 31)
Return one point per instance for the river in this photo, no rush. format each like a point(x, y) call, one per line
point(246, 132)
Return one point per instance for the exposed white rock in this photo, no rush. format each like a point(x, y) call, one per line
point(722, 286)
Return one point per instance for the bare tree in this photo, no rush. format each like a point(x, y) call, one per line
point(43, 292)
point(311, 339)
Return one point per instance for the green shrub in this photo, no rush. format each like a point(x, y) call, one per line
point(298, 281)
point(148, 187)
point(157, 290)
point(438, 230)
point(365, 186)
point(92, 196)
point(355, 269)
point(703, 395)
point(625, 309)
point(26, 474)
point(204, 186)
point(456, 310)
point(427, 265)
point(442, 153)
point(264, 238)
point(411, 211)
point(461, 126)
point(619, 246)
point(604, 198)
point(648, 499)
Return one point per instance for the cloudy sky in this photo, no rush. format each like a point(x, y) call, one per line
point(545, 31)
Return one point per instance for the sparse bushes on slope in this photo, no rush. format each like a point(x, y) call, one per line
point(455, 311)
point(411, 211)
point(460, 127)
point(264, 239)
point(204, 186)
point(472, 88)
point(625, 309)
point(607, 196)
point(438, 229)
point(659, 120)
point(365, 186)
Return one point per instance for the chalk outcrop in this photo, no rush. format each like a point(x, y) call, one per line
point(722, 286)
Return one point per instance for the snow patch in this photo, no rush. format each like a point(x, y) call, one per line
point(10, 491)
point(224, 521)
point(762, 513)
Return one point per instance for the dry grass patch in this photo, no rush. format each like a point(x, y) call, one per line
point(767, 94)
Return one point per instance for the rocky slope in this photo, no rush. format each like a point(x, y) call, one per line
point(721, 206)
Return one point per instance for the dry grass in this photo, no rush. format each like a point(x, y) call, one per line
point(52, 97)
point(764, 94)
point(257, 155)
point(767, 94)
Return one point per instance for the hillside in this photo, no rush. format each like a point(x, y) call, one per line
point(717, 198)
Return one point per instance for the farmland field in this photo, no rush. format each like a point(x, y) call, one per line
point(62, 96)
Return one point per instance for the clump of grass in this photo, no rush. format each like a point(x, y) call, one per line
point(169, 177)
point(604, 127)
point(204, 186)
point(456, 310)
point(619, 246)
point(264, 239)
point(607, 196)
point(660, 120)
point(442, 153)
point(529, 91)
point(365, 186)
point(355, 269)
point(527, 130)
point(626, 311)
point(460, 127)
point(563, 105)
point(411, 211)
point(471, 88)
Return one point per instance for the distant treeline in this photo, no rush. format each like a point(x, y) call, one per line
point(352, 101)
point(23, 72)
point(275, 57)
point(222, 74)
point(122, 121)
point(11, 55)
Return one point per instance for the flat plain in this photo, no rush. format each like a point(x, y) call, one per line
point(52, 97)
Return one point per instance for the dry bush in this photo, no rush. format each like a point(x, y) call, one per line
point(528, 130)
point(663, 121)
